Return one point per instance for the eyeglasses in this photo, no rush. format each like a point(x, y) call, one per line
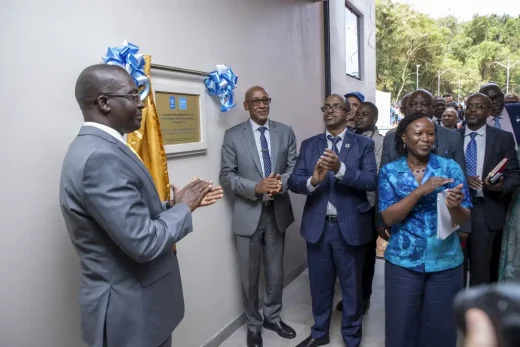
point(135, 96)
point(334, 108)
point(256, 102)
point(475, 107)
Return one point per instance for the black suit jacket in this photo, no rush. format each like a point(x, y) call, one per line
point(499, 145)
point(448, 144)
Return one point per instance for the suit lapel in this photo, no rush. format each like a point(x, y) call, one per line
point(488, 154)
point(275, 144)
point(346, 146)
point(138, 161)
point(249, 137)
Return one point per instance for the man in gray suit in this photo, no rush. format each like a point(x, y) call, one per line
point(258, 157)
point(130, 291)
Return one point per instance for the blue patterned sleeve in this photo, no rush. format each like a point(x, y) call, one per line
point(387, 196)
point(458, 177)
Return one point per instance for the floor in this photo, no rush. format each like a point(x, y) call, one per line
point(297, 313)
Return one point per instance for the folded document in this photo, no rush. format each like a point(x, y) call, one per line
point(445, 227)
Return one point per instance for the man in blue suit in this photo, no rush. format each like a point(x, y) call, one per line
point(505, 117)
point(335, 170)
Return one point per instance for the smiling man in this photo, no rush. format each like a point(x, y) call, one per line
point(485, 146)
point(335, 170)
point(258, 157)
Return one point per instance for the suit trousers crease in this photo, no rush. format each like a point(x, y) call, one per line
point(419, 307)
point(480, 247)
point(329, 257)
point(268, 243)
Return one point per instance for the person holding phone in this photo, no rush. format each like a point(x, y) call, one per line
point(422, 272)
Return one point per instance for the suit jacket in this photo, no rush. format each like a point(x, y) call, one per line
point(354, 210)
point(514, 114)
point(499, 145)
point(130, 290)
point(241, 171)
point(447, 144)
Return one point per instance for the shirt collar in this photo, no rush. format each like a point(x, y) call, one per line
point(256, 125)
point(112, 132)
point(341, 136)
point(480, 132)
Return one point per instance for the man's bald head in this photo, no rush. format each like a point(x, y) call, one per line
point(339, 99)
point(96, 80)
point(250, 91)
point(421, 101)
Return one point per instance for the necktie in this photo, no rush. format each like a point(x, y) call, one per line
point(334, 141)
point(497, 122)
point(265, 152)
point(471, 158)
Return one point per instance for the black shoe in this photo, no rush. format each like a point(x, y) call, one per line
point(281, 329)
point(312, 342)
point(366, 307)
point(339, 307)
point(254, 339)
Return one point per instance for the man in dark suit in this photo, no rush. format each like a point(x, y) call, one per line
point(485, 146)
point(447, 144)
point(335, 170)
point(502, 116)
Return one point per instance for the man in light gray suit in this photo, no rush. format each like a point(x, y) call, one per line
point(130, 291)
point(258, 157)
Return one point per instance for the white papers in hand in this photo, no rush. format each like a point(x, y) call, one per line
point(445, 227)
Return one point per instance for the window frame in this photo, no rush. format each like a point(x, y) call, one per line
point(359, 17)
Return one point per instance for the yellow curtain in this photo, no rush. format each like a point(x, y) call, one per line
point(147, 142)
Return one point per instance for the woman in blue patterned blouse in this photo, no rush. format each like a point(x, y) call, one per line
point(422, 272)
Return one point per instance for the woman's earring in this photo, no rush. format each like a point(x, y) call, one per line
point(404, 145)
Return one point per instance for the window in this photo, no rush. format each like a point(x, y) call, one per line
point(352, 39)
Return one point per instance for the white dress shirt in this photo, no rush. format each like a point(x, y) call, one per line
point(480, 139)
point(108, 130)
point(505, 123)
point(331, 209)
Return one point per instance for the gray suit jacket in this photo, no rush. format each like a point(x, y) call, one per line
point(130, 290)
point(240, 171)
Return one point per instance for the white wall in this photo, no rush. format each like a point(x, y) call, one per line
point(45, 45)
point(341, 83)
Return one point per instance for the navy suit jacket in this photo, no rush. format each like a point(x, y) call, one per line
point(354, 211)
point(514, 114)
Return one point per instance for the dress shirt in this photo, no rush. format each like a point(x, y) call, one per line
point(480, 139)
point(331, 210)
point(505, 123)
point(257, 136)
point(413, 242)
point(110, 131)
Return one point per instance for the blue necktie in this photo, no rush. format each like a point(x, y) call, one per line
point(471, 158)
point(265, 152)
point(334, 141)
point(497, 122)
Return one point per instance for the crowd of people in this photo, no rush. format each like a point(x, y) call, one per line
point(359, 185)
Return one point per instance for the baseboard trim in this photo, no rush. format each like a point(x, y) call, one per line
point(240, 320)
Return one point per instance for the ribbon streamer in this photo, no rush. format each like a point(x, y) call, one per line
point(221, 83)
point(126, 56)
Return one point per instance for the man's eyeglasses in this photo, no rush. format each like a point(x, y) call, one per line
point(256, 102)
point(135, 96)
point(475, 107)
point(334, 108)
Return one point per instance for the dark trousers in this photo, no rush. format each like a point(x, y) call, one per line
point(167, 343)
point(268, 243)
point(370, 265)
point(419, 307)
point(483, 247)
point(329, 257)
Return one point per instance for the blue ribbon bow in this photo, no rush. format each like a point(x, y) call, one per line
point(221, 83)
point(126, 56)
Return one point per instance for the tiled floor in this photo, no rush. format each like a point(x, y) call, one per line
point(297, 313)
